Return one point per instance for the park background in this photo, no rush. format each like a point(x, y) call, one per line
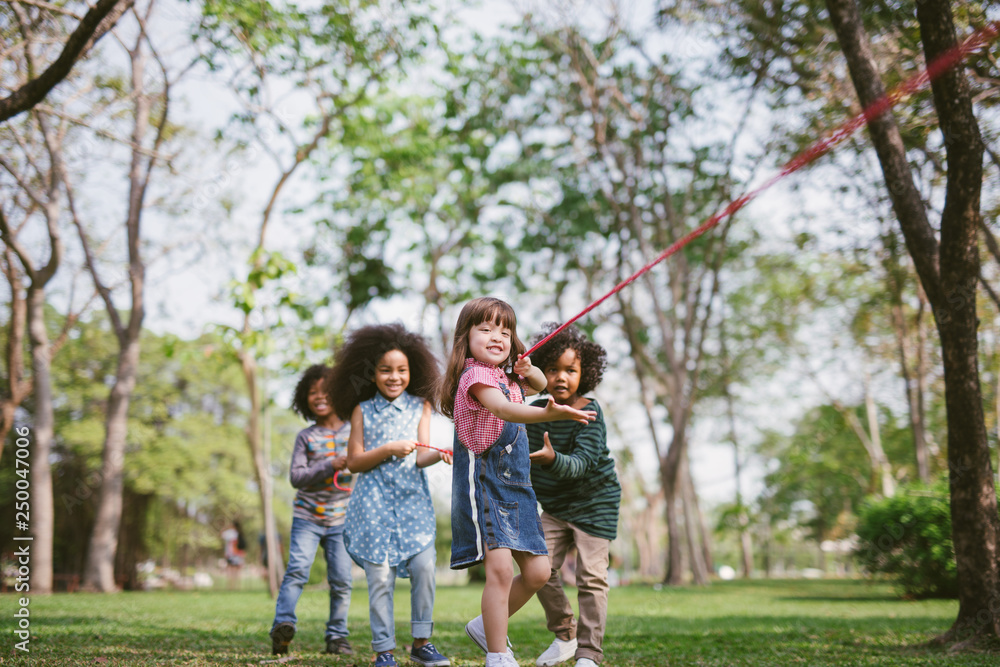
point(219, 191)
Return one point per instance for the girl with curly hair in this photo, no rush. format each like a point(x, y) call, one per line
point(384, 380)
point(574, 479)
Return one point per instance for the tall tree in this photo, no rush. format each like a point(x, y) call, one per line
point(148, 116)
point(949, 273)
point(39, 274)
point(34, 166)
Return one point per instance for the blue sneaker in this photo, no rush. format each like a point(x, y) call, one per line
point(385, 659)
point(428, 656)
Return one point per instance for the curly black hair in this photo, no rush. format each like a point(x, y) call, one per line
point(353, 377)
point(593, 357)
point(300, 401)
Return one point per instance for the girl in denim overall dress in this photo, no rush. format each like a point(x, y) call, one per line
point(386, 379)
point(494, 513)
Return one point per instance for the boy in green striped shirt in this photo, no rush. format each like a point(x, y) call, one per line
point(574, 479)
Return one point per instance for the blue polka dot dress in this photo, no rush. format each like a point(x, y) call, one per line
point(390, 517)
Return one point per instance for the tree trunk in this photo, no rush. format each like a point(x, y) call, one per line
point(766, 556)
point(42, 500)
point(262, 470)
point(879, 460)
point(274, 549)
point(704, 536)
point(746, 547)
point(99, 574)
point(975, 524)
point(673, 568)
point(131, 537)
point(17, 386)
point(693, 526)
point(921, 371)
point(911, 373)
point(949, 275)
point(746, 550)
point(913, 402)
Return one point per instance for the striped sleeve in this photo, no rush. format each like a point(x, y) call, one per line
point(589, 448)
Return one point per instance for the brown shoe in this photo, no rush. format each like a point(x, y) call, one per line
point(339, 646)
point(281, 637)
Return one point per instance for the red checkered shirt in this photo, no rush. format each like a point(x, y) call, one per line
point(477, 427)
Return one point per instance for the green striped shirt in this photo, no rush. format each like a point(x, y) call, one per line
point(580, 486)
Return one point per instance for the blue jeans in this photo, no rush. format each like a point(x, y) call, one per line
point(306, 537)
point(381, 586)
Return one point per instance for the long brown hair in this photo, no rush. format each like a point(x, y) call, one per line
point(475, 312)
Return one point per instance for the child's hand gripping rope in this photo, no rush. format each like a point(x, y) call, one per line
point(445, 456)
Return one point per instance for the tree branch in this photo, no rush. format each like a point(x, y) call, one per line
point(11, 241)
point(98, 21)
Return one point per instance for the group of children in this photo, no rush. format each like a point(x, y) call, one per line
point(372, 413)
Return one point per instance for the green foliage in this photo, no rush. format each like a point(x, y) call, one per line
point(820, 475)
point(908, 538)
point(186, 448)
point(416, 176)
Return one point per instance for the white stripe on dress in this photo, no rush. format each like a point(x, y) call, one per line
point(475, 509)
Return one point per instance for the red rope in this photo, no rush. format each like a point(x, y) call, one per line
point(949, 59)
point(437, 449)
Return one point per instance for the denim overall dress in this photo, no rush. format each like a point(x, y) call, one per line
point(492, 503)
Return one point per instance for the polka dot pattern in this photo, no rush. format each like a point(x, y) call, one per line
point(390, 517)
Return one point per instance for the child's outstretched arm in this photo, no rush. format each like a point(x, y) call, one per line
point(358, 460)
point(493, 400)
point(428, 457)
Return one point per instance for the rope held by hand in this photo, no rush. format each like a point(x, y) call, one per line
point(336, 473)
point(946, 61)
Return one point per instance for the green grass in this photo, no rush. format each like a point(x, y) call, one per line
point(733, 623)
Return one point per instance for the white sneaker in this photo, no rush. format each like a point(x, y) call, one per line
point(585, 662)
point(477, 633)
point(558, 651)
point(501, 660)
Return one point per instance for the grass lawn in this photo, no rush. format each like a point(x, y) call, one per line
point(731, 623)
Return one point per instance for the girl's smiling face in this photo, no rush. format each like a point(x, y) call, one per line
point(392, 374)
point(563, 377)
point(489, 342)
point(318, 401)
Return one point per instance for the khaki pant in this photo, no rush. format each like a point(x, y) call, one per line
point(591, 583)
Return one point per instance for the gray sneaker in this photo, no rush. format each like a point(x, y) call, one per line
point(477, 633)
